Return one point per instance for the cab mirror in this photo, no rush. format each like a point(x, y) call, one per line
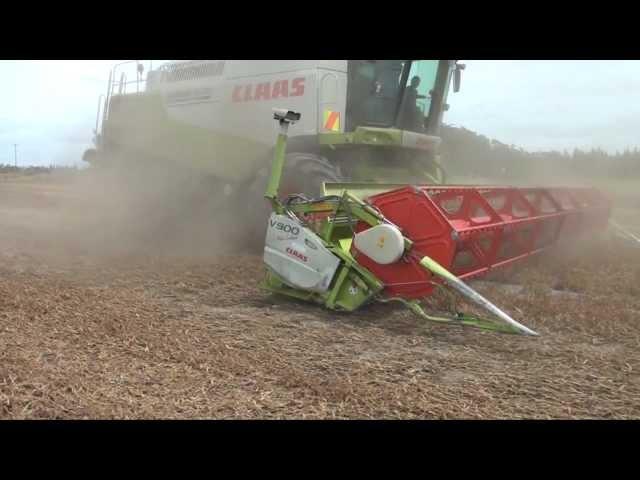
point(457, 77)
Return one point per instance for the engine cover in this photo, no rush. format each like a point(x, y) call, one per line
point(297, 255)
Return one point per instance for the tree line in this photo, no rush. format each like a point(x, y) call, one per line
point(34, 170)
point(468, 154)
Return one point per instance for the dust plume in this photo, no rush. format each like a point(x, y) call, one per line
point(100, 212)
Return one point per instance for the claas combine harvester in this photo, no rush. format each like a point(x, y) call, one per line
point(360, 206)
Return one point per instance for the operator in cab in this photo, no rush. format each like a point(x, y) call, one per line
point(411, 116)
point(375, 91)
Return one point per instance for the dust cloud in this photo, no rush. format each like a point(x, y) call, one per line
point(109, 211)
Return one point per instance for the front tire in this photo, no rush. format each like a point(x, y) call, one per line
point(304, 173)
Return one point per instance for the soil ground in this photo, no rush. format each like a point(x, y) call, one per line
point(89, 330)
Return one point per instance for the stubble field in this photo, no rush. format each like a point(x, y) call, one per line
point(94, 325)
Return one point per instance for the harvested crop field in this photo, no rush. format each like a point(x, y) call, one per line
point(91, 332)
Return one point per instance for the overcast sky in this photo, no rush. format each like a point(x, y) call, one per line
point(49, 107)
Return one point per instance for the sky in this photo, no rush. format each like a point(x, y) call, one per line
point(49, 106)
point(551, 104)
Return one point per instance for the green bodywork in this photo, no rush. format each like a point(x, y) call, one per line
point(383, 137)
point(390, 139)
point(353, 285)
point(360, 190)
point(139, 127)
point(139, 124)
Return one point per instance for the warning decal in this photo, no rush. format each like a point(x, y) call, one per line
point(332, 121)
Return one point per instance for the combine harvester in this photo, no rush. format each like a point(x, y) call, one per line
point(363, 121)
point(381, 223)
point(364, 242)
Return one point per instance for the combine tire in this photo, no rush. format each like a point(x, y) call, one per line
point(304, 173)
point(90, 156)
